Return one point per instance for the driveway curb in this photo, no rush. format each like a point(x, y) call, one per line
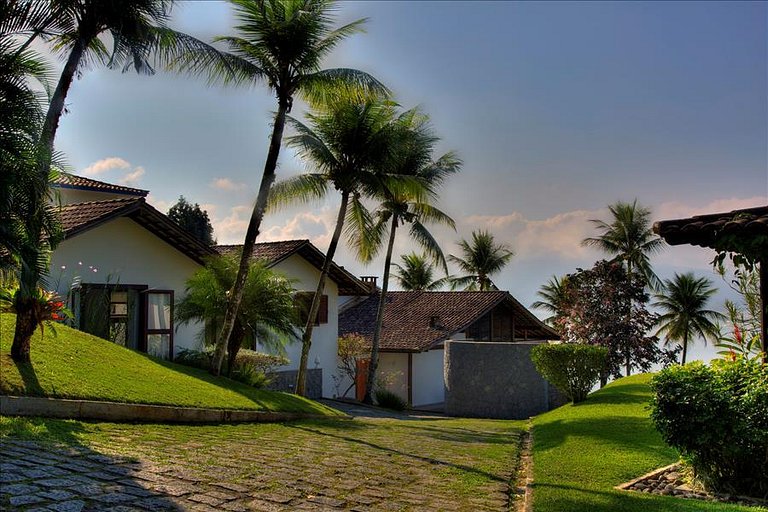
point(120, 412)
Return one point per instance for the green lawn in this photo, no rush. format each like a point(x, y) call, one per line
point(581, 452)
point(72, 364)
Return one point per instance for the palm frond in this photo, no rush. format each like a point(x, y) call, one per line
point(301, 189)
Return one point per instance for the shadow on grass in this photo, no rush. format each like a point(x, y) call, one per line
point(626, 394)
point(35, 449)
point(464, 435)
point(385, 449)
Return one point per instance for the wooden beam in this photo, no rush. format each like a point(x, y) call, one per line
point(764, 307)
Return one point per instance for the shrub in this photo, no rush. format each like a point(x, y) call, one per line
point(389, 400)
point(572, 368)
point(251, 367)
point(194, 358)
point(717, 417)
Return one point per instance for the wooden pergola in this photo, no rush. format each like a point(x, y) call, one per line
point(743, 232)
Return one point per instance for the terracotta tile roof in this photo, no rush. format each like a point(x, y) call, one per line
point(408, 315)
point(80, 217)
point(275, 252)
point(704, 230)
point(83, 183)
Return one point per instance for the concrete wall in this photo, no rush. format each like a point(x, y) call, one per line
point(428, 384)
point(493, 380)
point(122, 252)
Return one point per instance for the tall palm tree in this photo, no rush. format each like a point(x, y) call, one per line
point(281, 43)
point(684, 316)
point(136, 27)
point(416, 274)
point(481, 258)
point(553, 297)
point(629, 237)
point(267, 315)
point(409, 206)
point(347, 144)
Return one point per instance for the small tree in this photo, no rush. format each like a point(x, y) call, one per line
point(352, 348)
point(193, 219)
point(573, 368)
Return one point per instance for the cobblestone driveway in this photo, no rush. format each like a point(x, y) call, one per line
point(366, 464)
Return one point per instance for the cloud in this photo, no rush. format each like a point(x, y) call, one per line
point(104, 165)
point(159, 204)
point(231, 229)
point(132, 177)
point(317, 227)
point(226, 184)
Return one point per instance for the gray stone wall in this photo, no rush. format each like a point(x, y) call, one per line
point(494, 380)
point(286, 381)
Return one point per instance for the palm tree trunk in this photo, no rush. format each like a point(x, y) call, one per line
point(306, 339)
point(26, 319)
point(374, 364)
point(685, 347)
point(763, 264)
point(236, 293)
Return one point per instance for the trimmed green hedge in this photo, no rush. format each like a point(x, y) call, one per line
point(717, 417)
point(572, 368)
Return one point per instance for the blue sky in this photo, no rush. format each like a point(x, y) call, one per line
point(557, 109)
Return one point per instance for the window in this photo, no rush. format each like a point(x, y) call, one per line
point(160, 323)
point(304, 302)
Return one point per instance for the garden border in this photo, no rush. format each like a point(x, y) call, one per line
point(142, 413)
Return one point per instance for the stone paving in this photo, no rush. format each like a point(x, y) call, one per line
point(371, 464)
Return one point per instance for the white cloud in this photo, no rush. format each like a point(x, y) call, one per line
point(226, 184)
point(231, 229)
point(159, 204)
point(317, 227)
point(132, 177)
point(104, 165)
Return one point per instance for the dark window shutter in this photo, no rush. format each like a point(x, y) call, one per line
point(322, 314)
point(303, 302)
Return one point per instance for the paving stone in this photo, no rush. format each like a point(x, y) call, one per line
point(7, 478)
point(36, 473)
point(114, 497)
point(326, 501)
point(224, 496)
point(204, 498)
point(235, 506)
point(19, 489)
point(25, 499)
point(68, 506)
point(102, 475)
point(277, 498)
point(231, 486)
point(86, 489)
point(57, 495)
point(156, 504)
point(56, 482)
point(173, 489)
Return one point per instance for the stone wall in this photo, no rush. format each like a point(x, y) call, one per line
point(286, 381)
point(494, 380)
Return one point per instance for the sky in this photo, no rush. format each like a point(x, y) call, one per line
point(557, 109)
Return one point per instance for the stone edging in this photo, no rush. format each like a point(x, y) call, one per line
point(118, 412)
point(653, 474)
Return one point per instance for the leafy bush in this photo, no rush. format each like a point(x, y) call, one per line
point(717, 417)
point(194, 358)
point(251, 367)
point(572, 368)
point(389, 400)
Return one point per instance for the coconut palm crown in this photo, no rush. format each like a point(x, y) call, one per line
point(416, 273)
point(482, 257)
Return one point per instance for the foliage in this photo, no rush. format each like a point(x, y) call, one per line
point(250, 367)
point(684, 315)
point(351, 349)
point(192, 219)
point(389, 400)
point(607, 306)
point(743, 317)
point(572, 368)
point(267, 315)
point(481, 258)
point(717, 416)
point(417, 274)
point(553, 296)
point(80, 366)
point(630, 238)
point(47, 306)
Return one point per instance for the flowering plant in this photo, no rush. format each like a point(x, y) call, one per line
point(47, 305)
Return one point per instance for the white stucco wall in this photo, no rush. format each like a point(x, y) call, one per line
point(428, 383)
point(123, 252)
point(323, 352)
point(393, 369)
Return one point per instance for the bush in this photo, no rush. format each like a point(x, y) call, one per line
point(717, 417)
point(194, 358)
point(572, 368)
point(251, 367)
point(389, 400)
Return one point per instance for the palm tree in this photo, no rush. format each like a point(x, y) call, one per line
point(629, 238)
point(683, 302)
point(406, 205)
point(348, 143)
point(553, 298)
point(281, 43)
point(481, 258)
point(136, 28)
point(416, 274)
point(267, 314)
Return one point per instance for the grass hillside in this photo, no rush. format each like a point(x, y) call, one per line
point(582, 451)
point(72, 364)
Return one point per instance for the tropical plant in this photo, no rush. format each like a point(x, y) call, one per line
point(742, 338)
point(348, 145)
point(193, 219)
point(406, 204)
point(684, 315)
point(281, 43)
point(482, 258)
point(352, 348)
point(629, 237)
point(417, 274)
point(553, 296)
point(267, 315)
point(573, 368)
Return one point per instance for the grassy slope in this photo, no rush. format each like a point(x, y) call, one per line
point(581, 452)
point(72, 364)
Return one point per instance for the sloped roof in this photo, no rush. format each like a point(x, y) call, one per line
point(80, 217)
point(407, 317)
point(704, 230)
point(275, 252)
point(83, 183)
